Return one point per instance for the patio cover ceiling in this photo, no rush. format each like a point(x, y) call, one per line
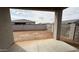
point(41, 8)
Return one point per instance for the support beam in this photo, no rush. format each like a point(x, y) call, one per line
point(6, 35)
point(57, 24)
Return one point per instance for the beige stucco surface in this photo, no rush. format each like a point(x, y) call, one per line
point(6, 34)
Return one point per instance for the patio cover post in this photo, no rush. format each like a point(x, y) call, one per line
point(6, 35)
point(57, 24)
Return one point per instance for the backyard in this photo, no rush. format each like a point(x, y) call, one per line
point(38, 41)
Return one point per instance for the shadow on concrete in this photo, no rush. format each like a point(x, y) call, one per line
point(16, 48)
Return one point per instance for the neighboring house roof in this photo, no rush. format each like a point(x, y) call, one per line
point(70, 21)
point(49, 23)
point(22, 20)
point(63, 22)
point(67, 21)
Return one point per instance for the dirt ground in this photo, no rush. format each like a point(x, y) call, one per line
point(32, 35)
point(20, 36)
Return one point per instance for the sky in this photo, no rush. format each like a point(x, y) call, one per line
point(44, 16)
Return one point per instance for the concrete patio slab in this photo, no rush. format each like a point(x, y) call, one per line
point(48, 45)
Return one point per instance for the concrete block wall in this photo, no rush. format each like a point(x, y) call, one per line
point(67, 31)
point(65, 28)
point(50, 27)
point(71, 32)
point(76, 38)
point(29, 27)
